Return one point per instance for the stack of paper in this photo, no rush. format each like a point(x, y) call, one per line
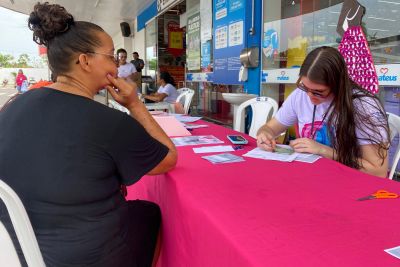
point(223, 158)
point(171, 126)
point(196, 140)
point(282, 153)
point(194, 126)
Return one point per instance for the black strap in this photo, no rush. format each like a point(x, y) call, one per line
point(312, 124)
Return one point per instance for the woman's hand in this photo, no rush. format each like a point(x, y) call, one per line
point(123, 92)
point(306, 145)
point(266, 141)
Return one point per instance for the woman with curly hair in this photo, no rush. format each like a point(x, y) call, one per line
point(68, 156)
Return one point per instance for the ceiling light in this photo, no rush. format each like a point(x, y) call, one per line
point(393, 20)
point(389, 2)
point(377, 30)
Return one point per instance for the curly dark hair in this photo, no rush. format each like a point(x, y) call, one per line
point(350, 109)
point(64, 37)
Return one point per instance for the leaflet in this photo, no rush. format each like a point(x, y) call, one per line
point(283, 153)
point(223, 158)
point(196, 140)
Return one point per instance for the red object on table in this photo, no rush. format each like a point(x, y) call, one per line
point(269, 213)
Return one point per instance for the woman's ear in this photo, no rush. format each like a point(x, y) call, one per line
point(84, 62)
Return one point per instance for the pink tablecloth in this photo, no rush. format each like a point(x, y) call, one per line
point(268, 213)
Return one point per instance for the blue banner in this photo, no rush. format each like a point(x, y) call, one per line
point(229, 39)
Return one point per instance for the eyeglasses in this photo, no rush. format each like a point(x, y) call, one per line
point(302, 87)
point(112, 57)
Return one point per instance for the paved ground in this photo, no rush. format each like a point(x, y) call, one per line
point(9, 91)
point(6, 93)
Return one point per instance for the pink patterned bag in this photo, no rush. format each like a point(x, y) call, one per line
point(360, 65)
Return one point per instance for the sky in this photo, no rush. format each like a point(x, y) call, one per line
point(16, 38)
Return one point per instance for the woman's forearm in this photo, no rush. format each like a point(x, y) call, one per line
point(156, 97)
point(376, 169)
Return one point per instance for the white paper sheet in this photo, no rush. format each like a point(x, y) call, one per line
point(258, 153)
point(209, 149)
point(262, 154)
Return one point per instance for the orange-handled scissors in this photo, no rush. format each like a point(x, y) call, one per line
point(380, 194)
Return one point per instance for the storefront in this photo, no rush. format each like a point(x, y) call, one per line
point(292, 28)
point(179, 38)
point(204, 49)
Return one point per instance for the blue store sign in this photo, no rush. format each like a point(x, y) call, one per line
point(229, 39)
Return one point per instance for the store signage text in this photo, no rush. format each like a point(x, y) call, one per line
point(283, 77)
point(388, 75)
point(385, 77)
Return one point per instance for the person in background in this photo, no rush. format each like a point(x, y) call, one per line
point(166, 92)
point(19, 79)
point(337, 119)
point(139, 65)
point(126, 69)
point(67, 156)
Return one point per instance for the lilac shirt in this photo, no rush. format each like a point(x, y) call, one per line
point(298, 108)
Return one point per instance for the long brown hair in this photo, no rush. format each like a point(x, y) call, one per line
point(348, 110)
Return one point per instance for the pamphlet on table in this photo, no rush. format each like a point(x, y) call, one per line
point(223, 158)
point(209, 149)
point(282, 153)
point(196, 140)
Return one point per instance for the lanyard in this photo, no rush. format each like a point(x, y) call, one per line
point(312, 124)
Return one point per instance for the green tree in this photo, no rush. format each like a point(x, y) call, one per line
point(23, 61)
point(6, 61)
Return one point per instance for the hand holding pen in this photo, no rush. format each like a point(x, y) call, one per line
point(266, 141)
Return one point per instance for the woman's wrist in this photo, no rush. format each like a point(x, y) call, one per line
point(326, 152)
point(134, 104)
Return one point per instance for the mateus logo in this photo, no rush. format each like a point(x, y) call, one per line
point(386, 78)
point(283, 77)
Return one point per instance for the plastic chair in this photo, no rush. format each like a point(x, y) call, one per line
point(115, 105)
point(185, 96)
point(22, 226)
point(8, 253)
point(264, 108)
point(394, 125)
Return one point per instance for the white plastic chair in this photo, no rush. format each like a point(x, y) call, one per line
point(22, 226)
point(187, 94)
point(394, 125)
point(264, 108)
point(8, 254)
point(115, 105)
